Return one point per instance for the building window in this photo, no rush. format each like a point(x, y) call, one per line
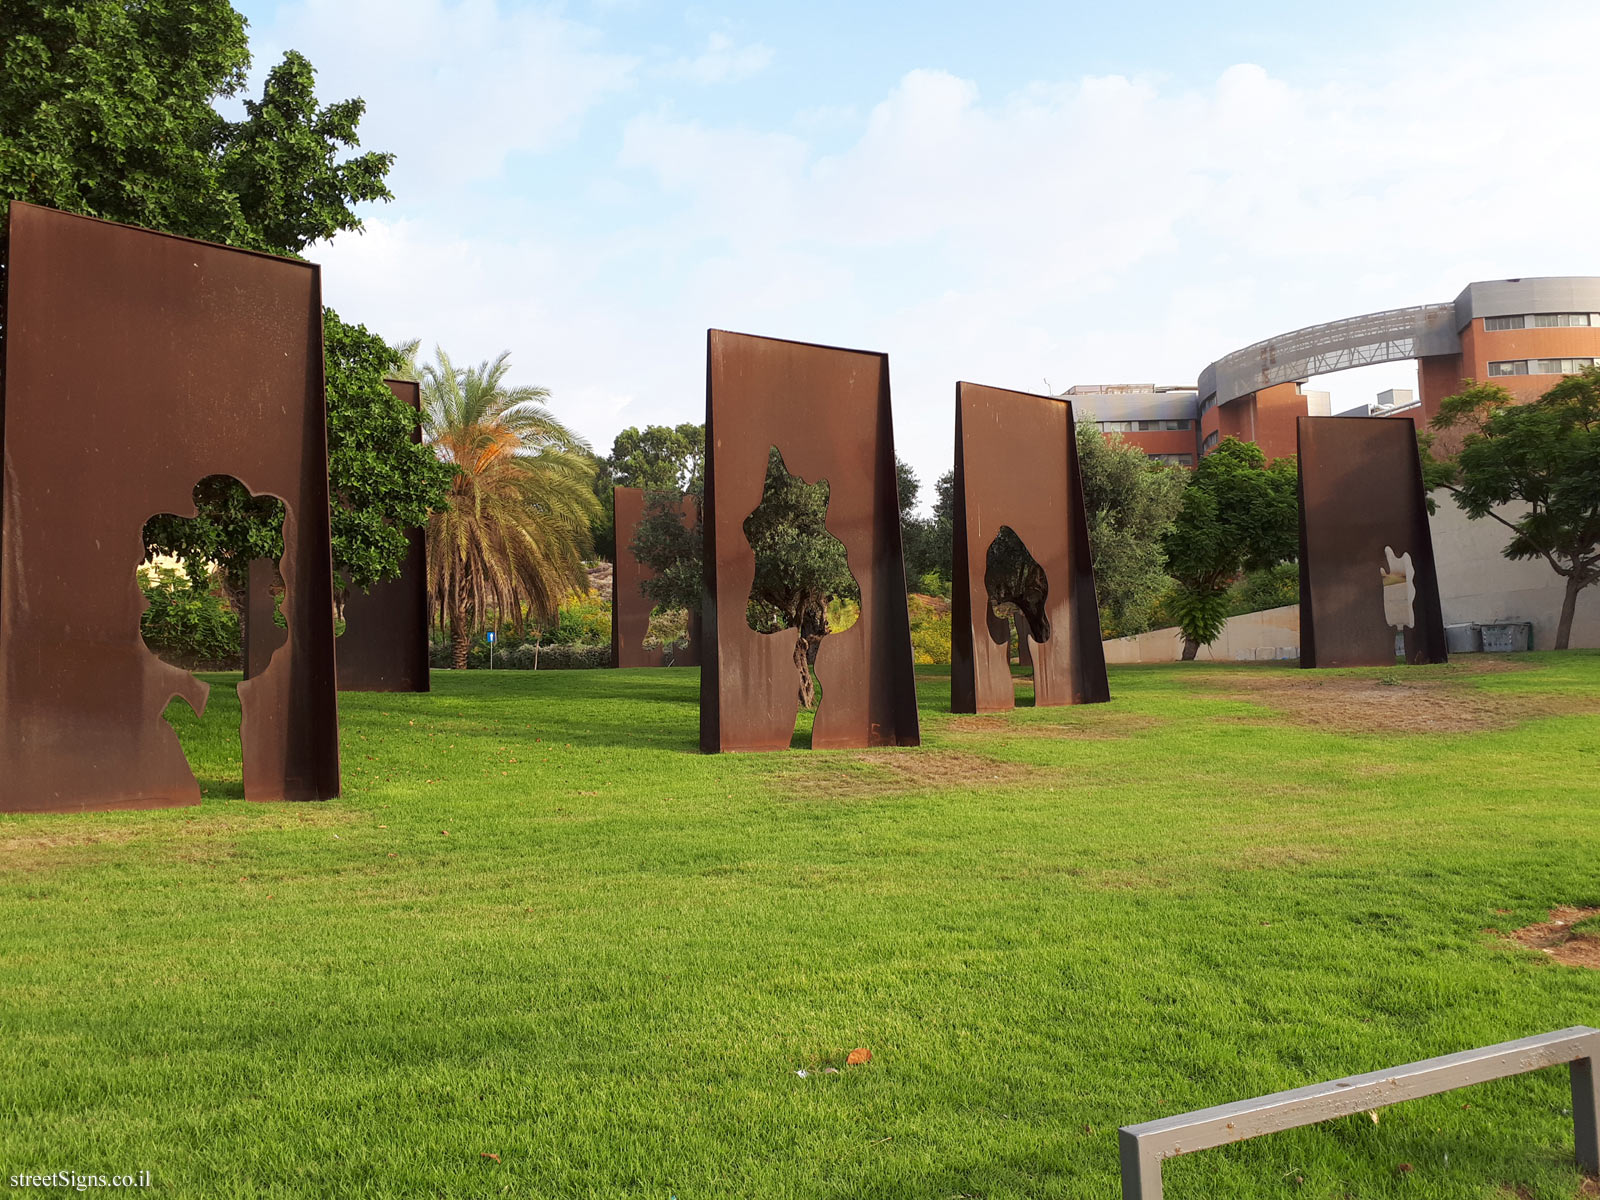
point(1209, 444)
point(1207, 405)
point(1515, 367)
point(1560, 320)
point(1559, 366)
point(1118, 426)
point(1493, 323)
point(1176, 460)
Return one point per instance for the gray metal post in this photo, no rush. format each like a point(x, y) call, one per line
point(1586, 1113)
point(1141, 1169)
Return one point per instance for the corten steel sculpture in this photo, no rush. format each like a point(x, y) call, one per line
point(1017, 466)
point(1362, 507)
point(630, 607)
point(827, 412)
point(384, 647)
point(262, 634)
point(177, 360)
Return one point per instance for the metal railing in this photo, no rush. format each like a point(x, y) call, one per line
point(1145, 1146)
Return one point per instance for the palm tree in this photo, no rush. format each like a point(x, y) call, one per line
point(407, 352)
point(513, 539)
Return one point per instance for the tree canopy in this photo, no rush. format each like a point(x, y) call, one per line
point(800, 567)
point(106, 109)
point(1544, 456)
point(1131, 502)
point(663, 458)
point(382, 482)
point(1237, 514)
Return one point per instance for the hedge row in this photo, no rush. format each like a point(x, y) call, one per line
point(521, 658)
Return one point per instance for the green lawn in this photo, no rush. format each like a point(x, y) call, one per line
point(610, 968)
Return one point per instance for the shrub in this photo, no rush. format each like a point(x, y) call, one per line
point(668, 630)
point(581, 621)
point(1272, 587)
point(521, 657)
point(930, 629)
point(188, 625)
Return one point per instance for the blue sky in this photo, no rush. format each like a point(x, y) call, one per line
point(1048, 193)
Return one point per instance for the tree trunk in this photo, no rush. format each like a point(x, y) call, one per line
point(1190, 649)
point(808, 685)
point(1569, 606)
point(460, 640)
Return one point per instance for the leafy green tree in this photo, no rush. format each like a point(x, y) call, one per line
point(231, 528)
point(930, 550)
point(800, 567)
point(106, 109)
point(664, 458)
point(1131, 502)
point(382, 482)
point(512, 539)
point(1237, 514)
point(918, 535)
point(1545, 455)
point(672, 548)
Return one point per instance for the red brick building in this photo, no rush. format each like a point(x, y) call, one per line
point(1522, 333)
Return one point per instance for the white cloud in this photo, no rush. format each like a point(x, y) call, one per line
point(453, 87)
point(1102, 229)
point(721, 62)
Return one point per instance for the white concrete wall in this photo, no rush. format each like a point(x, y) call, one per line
point(1478, 584)
point(1272, 634)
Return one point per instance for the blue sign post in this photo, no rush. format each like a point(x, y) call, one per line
point(490, 636)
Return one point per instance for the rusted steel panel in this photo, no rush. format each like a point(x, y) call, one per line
point(384, 646)
point(176, 360)
point(262, 635)
point(1360, 495)
point(1017, 465)
point(630, 607)
point(827, 411)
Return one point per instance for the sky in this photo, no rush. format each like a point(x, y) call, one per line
point(1046, 195)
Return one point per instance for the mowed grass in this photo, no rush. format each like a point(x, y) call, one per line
point(541, 947)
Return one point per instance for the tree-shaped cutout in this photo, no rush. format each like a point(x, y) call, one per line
point(1399, 590)
point(215, 548)
point(1016, 584)
point(802, 577)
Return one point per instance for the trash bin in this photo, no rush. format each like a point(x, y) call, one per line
point(1507, 637)
point(1462, 639)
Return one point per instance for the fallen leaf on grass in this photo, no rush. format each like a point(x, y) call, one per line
point(486, 1154)
point(858, 1056)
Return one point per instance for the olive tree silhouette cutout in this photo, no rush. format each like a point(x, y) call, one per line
point(802, 577)
point(1017, 586)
